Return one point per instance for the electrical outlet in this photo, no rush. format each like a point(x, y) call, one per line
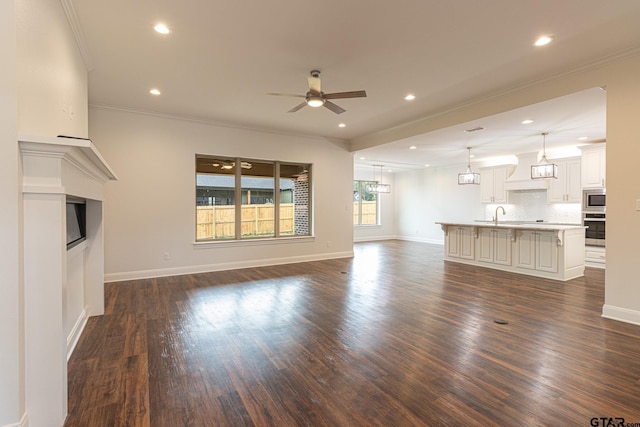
point(328, 243)
point(165, 256)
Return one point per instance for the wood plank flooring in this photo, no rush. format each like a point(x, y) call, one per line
point(392, 337)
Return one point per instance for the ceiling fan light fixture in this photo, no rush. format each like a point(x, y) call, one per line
point(543, 40)
point(315, 101)
point(161, 28)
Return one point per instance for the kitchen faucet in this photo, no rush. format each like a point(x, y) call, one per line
point(503, 213)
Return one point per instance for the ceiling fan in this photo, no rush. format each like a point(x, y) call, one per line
point(315, 97)
point(224, 164)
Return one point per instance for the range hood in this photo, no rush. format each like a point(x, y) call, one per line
point(520, 179)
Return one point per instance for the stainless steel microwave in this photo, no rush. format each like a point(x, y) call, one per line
point(594, 200)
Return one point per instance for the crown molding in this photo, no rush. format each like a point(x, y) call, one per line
point(211, 122)
point(78, 33)
point(403, 130)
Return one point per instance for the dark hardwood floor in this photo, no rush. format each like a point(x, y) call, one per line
point(392, 337)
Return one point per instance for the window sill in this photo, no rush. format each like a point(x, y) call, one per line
point(367, 226)
point(254, 242)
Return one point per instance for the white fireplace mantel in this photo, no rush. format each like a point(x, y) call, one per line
point(54, 168)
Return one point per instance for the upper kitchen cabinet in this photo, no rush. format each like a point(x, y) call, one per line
point(492, 184)
point(594, 166)
point(567, 188)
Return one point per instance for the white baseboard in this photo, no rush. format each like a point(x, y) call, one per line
point(621, 314)
point(75, 333)
point(421, 240)
point(372, 238)
point(194, 269)
point(24, 422)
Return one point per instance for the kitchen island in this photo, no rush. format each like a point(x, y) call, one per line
point(553, 251)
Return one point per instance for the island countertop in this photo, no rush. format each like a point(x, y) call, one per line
point(542, 249)
point(521, 225)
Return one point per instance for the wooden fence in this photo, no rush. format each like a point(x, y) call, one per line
point(218, 222)
point(369, 216)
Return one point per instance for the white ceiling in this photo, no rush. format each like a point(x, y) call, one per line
point(221, 59)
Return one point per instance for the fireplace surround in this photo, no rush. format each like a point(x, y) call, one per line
point(61, 287)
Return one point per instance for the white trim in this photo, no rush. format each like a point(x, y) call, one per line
point(68, 149)
point(591, 264)
point(621, 314)
point(391, 134)
point(75, 333)
point(439, 242)
point(78, 32)
point(43, 189)
point(24, 422)
point(194, 269)
point(373, 238)
point(208, 244)
point(343, 143)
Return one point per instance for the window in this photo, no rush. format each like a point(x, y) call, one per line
point(365, 204)
point(259, 199)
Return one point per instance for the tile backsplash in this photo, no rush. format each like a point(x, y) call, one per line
point(532, 205)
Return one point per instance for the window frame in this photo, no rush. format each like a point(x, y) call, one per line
point(238, 196)
point(361, 184)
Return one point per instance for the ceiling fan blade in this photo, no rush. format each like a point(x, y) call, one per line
point(314, 84)
point(286, 94)
point(352, 94)
point(297, 107)
point(333, 107)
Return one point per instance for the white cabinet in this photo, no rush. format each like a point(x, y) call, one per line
point(553, 252)
point(594, 166)
point(494, 246)
point(567, 188)
point(460, 242)
point(492, 184)
point(595, 256)
point(537, 250)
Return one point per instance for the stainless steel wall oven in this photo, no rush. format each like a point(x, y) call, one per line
point(596, 226)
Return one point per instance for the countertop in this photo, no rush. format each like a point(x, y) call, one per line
point(521, 225)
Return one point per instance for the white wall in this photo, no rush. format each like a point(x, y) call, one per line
point(430, 195)
point(622, 291)
point(11, 326)
point(52, 77)
point(387, 227)
point(41, 75)
point(150, 210)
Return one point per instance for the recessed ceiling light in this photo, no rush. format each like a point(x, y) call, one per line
point(583, 138)
point(543, 40)
point(342, 125)
point(413, 147)
point(362, 158)
point(389, 170)
point(426, 166)
point(527, 122)
point(410, 97)
point(154, 91)
point(162, 28)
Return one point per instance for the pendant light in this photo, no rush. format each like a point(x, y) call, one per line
point(469, 177)
point(544, 169)
point(378, 187)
